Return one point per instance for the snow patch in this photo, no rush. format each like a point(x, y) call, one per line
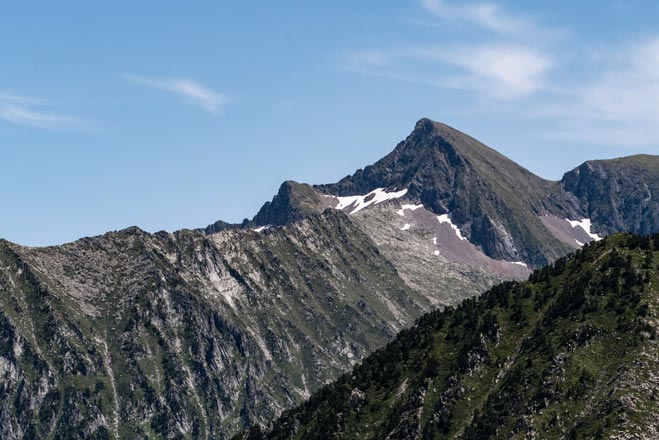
point(519, 263)
point(262, 228)
point(436, 252)
point(584, 224)
point(578, 242)
point(402, 209)
point(444, 218)
point(406, 227)
point(375, 197)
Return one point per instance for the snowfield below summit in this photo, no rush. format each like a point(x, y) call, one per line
point(584, 224)
point(444, 218)
point(354, 204)
point(575, 233)
point(404, 208)
point(421, 233)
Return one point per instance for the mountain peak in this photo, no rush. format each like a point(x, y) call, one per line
point(479, 155)
point(494, 201)
point(428, 129)
point(427, 125)
point(293, 201)
point(424, 125)
point(502, 208)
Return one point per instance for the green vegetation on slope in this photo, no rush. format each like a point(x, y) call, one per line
point(569, 354)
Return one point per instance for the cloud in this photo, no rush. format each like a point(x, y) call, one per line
point(21, 110)
point(486, 15)
point(631, 91)
point(510, 71)
point(496, 70)
point(618, 105)
point(22, 99)
point(195, 93)
point(502, 71)
point(512, 64)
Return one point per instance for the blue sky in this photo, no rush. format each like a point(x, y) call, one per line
point(172, 114)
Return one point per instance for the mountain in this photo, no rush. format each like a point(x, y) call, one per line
point(495, 202)
point(570, 354)
point(200, 333)
point(186, 335)
point(618, 194)
point(455, 216)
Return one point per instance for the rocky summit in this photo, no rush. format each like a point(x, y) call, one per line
point(442, 199)
point(203, 333)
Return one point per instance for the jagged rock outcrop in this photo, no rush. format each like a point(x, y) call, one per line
point(294, 201)
point(618, 194)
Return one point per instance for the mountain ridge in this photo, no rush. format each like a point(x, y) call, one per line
point(571, 353)
point(504, 209)
point(133, 335)
point(197, 331)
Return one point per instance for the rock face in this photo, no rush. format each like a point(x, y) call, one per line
point(293, 202)
point(429, 255)
point(495, 202)
point(136, 335)
point(197, 334)
point(508, 213)
point(571, 353)
point(618, 194)
point(439, 184)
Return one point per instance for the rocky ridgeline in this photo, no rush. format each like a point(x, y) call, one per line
point(133, 335)
point(507, 212)
point(198, 334)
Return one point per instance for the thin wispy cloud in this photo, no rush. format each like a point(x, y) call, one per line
point(190, 90)
point(506, 72)
point(501, 71)
point(487, 15)
point(629, 89)
point(618, 104)
point(513, 64)
point(33, 112)
point(494, 18)
point(22, 99)
point(511, 59)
